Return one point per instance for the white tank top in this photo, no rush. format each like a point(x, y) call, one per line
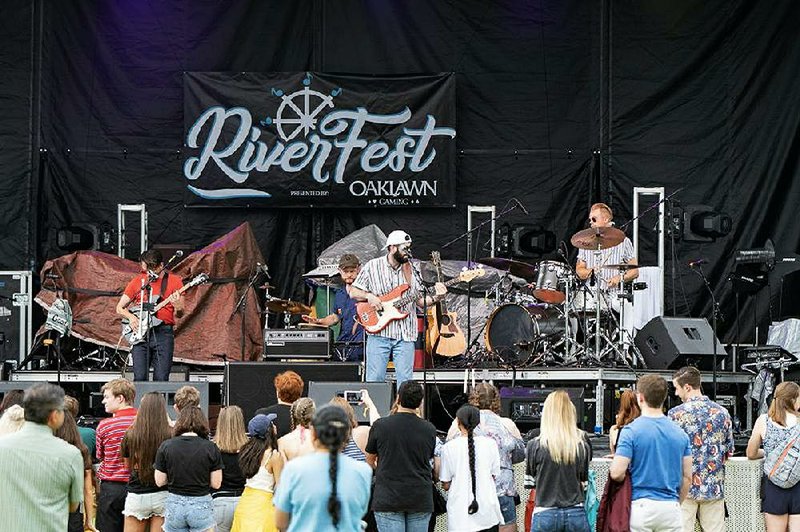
point(263, 479)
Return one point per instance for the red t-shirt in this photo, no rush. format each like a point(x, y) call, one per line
point(109, 437)
point(174, 283)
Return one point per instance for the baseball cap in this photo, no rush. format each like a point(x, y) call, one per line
point(348, 260)
point(259, 426)
point(396, 238)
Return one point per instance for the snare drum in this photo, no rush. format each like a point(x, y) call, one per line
point(515, 332)
point(550, 281)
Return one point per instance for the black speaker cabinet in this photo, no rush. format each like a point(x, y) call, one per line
point(379, 392)
point(671, 343)
point(250, 386)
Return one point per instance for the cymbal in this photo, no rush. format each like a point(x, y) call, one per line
point(287, 305)
point(620, 266)
point(515, 267)
point(597, 238)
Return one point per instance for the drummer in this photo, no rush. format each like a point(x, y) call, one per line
point(351, 334)
point(589, 261)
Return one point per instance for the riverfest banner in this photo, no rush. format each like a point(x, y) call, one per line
point(315, 139)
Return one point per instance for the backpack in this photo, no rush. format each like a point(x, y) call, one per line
point(782, 465)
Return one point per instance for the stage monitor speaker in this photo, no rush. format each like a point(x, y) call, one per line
point(250, 386)
point(7, 386)
point(524, 405)
point(379, 392)
point(168, 389)
point(671, 343)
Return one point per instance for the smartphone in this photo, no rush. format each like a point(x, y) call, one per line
point(352, 396)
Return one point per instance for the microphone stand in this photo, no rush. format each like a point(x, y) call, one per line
point(418, 275)
point(715, 310)
point(241, 306)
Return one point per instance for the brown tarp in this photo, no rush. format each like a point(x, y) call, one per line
point(94, 282)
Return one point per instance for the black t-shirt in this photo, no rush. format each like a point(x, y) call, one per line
point(284, 421)
point(404, 444)
point(135, 485)
point(558, 485)
point(188, 462)
point(232, 478)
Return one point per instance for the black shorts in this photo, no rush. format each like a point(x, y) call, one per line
point(779, 501)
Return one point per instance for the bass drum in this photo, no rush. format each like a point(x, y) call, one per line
point(516, 333)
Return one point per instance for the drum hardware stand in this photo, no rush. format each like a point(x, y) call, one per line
point(573, 350)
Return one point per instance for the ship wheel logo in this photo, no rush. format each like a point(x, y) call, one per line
point(299, 111)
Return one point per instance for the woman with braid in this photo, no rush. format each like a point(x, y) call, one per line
point(298, 442)
point(261, 464)
point(469, 466)
point(309, 500)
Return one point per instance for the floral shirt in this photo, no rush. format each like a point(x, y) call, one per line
point(710, 433)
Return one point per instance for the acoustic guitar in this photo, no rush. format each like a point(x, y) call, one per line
point(445, 337)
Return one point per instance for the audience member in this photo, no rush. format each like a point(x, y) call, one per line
point(308, 500)
point(469, 467)
point(710, 432)
point(41, 476)
point(781, 506)
point(261, 465)
point(118, 396)
point(145, 503)
point(12, 420)
point(557, 467)
point(298, 441)
point(506, 435)
point(190, 466)
point(88, 434)
point(230, 438)
point(79, 520)
point(359, 433)
point(11, 398)
point(402, 445)
point(660, 460)
point(288, 388)
point(628, 411)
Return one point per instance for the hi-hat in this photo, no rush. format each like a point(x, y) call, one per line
point(620, 266)
point(287, 305)
point(515, 267)
point(597, 238)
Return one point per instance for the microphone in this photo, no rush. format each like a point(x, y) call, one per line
point(697, 262)
point(178, 254)
point(408, 253)
point(592, 279)
point(521, 206)
point(264, 269)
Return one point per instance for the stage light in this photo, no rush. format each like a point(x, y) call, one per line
point(702, 223)
point(74, 238)
point(531, 241)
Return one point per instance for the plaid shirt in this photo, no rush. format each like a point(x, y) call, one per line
point(710, 432)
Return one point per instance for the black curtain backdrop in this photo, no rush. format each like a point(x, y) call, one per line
point(558, 104)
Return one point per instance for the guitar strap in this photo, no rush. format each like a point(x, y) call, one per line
point(407, 273)
point(164, 280)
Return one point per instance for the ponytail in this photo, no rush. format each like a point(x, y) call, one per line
point(469, 417)
point(332, 428)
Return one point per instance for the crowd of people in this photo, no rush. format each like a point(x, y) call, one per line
point(297, 465)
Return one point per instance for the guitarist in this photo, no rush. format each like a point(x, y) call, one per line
point(157, 348)
point(380, 276)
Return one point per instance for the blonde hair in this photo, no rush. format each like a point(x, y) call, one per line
point(302, 412)
point(559, 433)
point(12, 420)
point(231, 434)
point(187, 396)
point(786, 394)
point(342, 403)
point(122, 387)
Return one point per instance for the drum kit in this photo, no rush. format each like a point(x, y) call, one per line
point(557, 319)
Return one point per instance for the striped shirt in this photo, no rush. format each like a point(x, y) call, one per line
point(378, 277)
point(354, 451)
point(109, 437)
point(39, 476)
point(622, 253)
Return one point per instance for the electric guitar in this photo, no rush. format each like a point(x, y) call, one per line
point(445, 337)
point(147, 318)
point(375, 320)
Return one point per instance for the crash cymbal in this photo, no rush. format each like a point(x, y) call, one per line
point(597, 238)
point(287, 305)
point(620, 267)
point(515, 267)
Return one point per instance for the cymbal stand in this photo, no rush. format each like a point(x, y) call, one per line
point(619, 348)
point(572, 349)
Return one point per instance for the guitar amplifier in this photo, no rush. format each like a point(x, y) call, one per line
point(297, 343)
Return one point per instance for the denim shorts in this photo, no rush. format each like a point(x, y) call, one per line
point(189, 514)
point(145, 505)
point(508, 509)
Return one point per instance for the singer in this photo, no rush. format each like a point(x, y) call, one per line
point(152, 285)
point(379, 277)
point(591, 267)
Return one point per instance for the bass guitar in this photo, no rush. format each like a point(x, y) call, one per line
point(375, 320)
point(147, 318)
point(445, 337)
